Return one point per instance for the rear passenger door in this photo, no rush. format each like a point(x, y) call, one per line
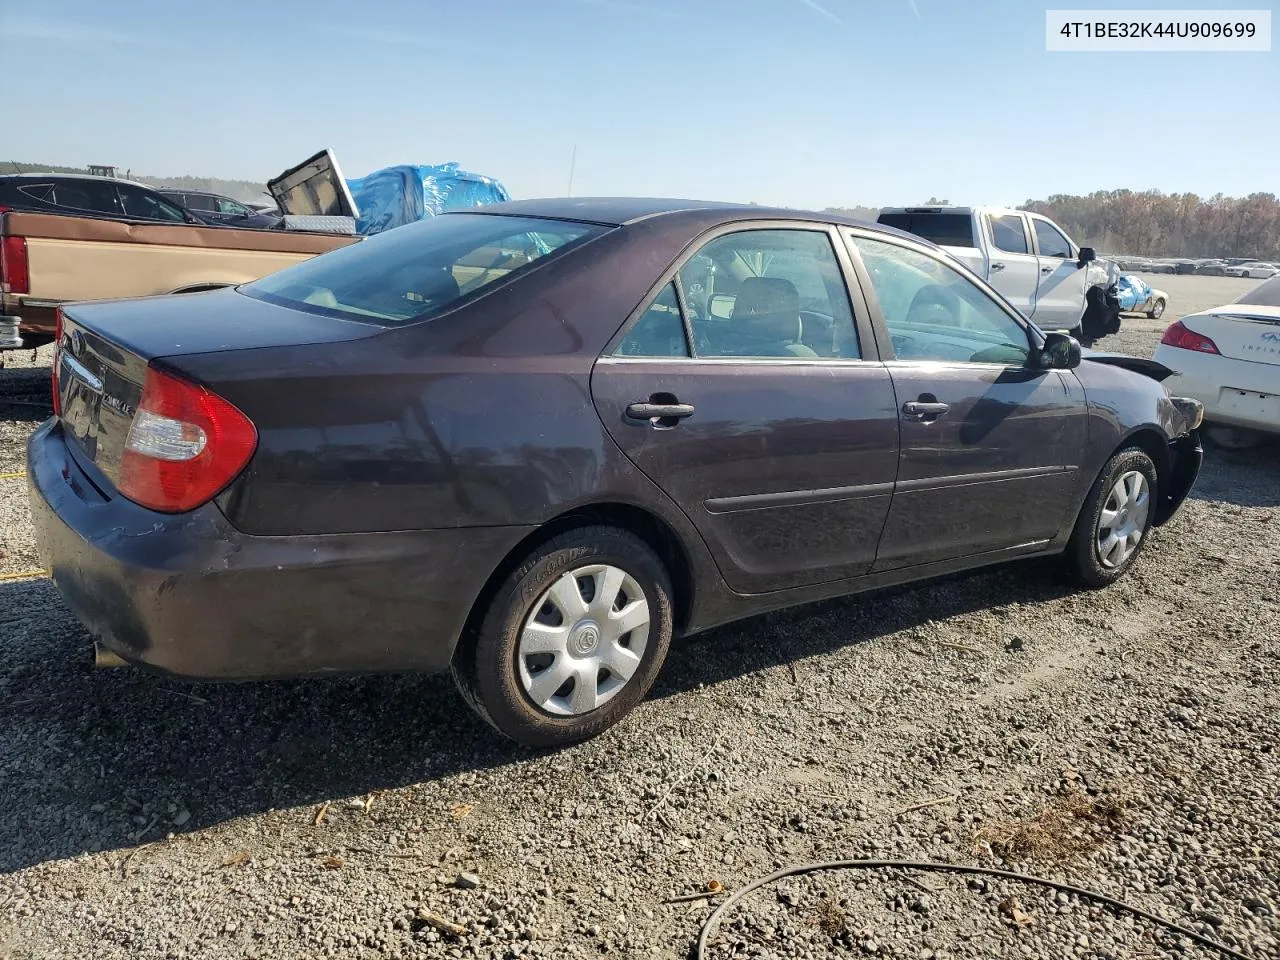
point(749, 389)
point(1014, 270)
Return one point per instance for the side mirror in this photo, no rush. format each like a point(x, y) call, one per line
point(1061, 351)
point(1087, 255)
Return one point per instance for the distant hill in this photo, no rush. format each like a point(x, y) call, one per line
point(236, 189)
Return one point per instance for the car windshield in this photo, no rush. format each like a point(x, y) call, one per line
point(418, 270)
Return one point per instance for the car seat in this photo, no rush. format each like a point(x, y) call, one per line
point(766, 319)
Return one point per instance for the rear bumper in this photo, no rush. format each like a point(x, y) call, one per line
point(190, 595)
point(36, 319)
point(1237, 393)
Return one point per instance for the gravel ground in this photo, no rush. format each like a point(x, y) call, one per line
point(1123, 740)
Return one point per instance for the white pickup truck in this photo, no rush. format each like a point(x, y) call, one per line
point(1027, 258)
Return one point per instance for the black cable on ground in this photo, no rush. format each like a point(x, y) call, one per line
point(713, 921)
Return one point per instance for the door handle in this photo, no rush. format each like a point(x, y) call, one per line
point(1046, 269)
point(924, 409)
point(997, 266)
point(659, 411)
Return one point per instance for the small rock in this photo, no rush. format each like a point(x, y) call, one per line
point(181, 817)
point(466, 881)
point(1015, 644)
point(230, 927)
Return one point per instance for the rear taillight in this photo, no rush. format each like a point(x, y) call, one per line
point(185, 444)
point(57, 361)
point(1177, 335)
point(14, 274)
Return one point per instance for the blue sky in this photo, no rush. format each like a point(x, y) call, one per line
point(797, 102)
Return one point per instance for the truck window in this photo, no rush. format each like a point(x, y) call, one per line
point(1009, 234)
point(944, 229)
point(1052, 243)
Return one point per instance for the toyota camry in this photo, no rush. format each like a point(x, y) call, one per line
point(533, 442)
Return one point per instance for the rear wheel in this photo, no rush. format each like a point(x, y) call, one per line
point(572, 640)
point(1115, 521)
point(1157, 310)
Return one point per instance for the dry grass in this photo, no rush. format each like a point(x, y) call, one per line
point(831, 919)
point(1072, 823)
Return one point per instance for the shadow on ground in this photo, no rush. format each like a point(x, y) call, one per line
point(82, 750)
point(1246, 478)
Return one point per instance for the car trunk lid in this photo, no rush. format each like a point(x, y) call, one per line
point(106, 348)
point(1241, 332)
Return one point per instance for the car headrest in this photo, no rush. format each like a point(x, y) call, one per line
point(768, 307)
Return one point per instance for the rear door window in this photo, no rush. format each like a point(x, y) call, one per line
point(420, 269)
point(944, 229)
point(769, 294)
point(90, 196)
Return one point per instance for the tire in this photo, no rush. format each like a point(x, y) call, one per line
point(1085, 557)
point(1157, 310)
point(498, 674)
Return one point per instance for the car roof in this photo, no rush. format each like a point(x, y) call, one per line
point(48, 175)
point(621, 211)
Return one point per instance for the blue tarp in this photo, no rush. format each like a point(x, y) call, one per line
point(394, 196)
point(1131, 291)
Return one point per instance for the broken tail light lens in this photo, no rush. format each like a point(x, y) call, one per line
point(1184, 338)
point(185, 445)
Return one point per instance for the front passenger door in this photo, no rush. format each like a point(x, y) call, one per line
point(1062, 279)
point(991, 444)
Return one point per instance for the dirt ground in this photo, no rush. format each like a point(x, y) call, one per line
point(1123, 740)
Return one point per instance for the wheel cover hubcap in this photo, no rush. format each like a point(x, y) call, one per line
point(583, 640)
point(1122, 523)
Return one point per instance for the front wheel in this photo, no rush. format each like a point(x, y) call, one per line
point(1157, 310)
point(572, 640)
point(1115, 521)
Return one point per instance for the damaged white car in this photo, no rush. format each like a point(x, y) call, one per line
point(1228, 358)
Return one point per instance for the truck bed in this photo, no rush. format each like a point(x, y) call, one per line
point(71, 259)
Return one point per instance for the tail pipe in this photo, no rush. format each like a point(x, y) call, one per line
point(104, 658)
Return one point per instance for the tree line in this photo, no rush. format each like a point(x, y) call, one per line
point(1155, 224)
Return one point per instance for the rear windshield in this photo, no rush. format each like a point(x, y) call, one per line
point(944, 229)
point(419, 269)
point(1265, 294)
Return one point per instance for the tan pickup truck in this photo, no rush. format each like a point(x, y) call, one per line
point(48, 259)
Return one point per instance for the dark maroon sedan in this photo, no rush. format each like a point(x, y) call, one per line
point(532, 442)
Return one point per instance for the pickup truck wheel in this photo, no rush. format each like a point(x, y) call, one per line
point(572, 640)
point(1157, 310)
point(1115, 521)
